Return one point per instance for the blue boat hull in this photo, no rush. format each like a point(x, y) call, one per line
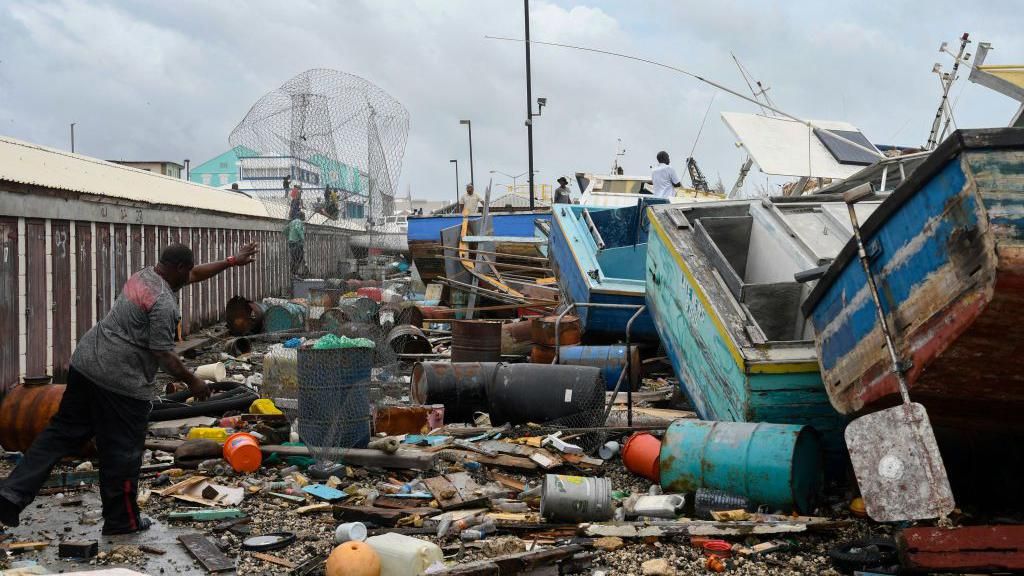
point(573, 256)
point(947, 252)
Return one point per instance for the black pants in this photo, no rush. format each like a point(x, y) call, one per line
point(298, 257)
point(119, 424)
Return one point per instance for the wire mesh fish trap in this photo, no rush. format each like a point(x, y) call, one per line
point(334, 399)
point(337, 136)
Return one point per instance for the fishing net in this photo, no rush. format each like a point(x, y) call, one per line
point(341, 139)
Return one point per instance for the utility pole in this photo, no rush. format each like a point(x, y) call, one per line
point(529, 101)
point(72, 137)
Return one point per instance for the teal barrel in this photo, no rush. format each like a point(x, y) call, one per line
point(610, 359)
point(779, 465)
point(285, 316)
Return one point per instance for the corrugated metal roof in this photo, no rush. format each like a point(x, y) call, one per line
point(27, 163)
point(518, 200)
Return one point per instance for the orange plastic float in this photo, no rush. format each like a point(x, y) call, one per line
point(242, 451)
point(353, 559)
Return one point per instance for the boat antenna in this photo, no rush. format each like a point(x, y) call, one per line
point(761, 91)
point(701, 129)
point(620, 151)
point(773, 108)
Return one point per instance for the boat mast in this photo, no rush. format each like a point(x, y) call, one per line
point(947, 83)
point(761, 92)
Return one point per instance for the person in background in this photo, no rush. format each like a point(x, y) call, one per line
point(296, 201)
point(562, 192)
point(664, 177)
point(295, 231)
point(470, 202)
point(110, 389)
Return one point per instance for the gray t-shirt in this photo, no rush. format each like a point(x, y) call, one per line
point(116, 352)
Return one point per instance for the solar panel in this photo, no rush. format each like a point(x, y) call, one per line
point(842, 151)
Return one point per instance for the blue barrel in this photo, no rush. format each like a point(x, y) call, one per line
point(779, 465)
point(334, 396)
point(285, 316)
point(610, 359)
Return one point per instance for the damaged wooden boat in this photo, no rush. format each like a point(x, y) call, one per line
point(722, 294)
point(598, 256)
point(947, 253)
point(424, 237)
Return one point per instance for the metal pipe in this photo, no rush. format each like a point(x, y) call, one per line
point(629, 391)
point(863, 255)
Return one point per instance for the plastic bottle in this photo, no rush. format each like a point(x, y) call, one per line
point(506, 505)
point(210, 465)
point(444, 525)
point(707, 501)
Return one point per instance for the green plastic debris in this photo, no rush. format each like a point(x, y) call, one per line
point(332, 342)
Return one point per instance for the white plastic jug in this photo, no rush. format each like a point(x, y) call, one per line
point(402, 555)
point(662, 506)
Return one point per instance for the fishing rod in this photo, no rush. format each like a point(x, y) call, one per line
point(808, 123)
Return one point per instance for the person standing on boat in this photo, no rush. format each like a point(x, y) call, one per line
point(664, 177)
point(562, 192)
point(470, 202)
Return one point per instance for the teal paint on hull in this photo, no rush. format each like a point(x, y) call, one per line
point(708, 374)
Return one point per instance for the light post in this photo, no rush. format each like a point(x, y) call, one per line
point(514, 178)
point(469, 125)
point(456, 162)
point(187, 169)
point(72, 137)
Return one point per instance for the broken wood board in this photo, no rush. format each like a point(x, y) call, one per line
point(379, 516)
point(180, 486)
point(454, 491)
point(396, 503)
point(274, 560)
point(314, 509)
point(519, 563)
point(173, 428)
point(503, 461)
point(24, 546)
point(690, 528)
point(206, 552)
point(508, 482)
point(964, 549)
point(206, 493)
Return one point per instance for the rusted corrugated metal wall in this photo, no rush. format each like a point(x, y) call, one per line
point(58, 277)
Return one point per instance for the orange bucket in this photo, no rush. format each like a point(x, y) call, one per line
point(242, 451)
point(640, 455)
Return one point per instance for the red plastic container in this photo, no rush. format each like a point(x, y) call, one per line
point(371, 293)
point(641, 454)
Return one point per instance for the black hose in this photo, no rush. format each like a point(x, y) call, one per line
point(232, 396)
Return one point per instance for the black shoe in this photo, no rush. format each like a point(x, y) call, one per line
point(8, 513)
point(144, 524)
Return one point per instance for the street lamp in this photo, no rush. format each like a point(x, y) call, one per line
point(456, 181)
point(469, 125)
point(73, 137)
point(514, 178)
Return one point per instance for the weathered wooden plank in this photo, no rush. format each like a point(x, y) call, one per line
point(964, 549)
point(206, 553)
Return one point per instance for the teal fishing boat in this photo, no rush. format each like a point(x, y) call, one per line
point(722, 294)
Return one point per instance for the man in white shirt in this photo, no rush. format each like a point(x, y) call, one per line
point(470, 202)
point(664, 177)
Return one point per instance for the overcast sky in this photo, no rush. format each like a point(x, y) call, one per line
point(169, 80)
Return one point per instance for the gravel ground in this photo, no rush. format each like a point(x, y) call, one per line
point(807, 554)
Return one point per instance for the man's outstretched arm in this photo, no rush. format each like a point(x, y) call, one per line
point(205, 271)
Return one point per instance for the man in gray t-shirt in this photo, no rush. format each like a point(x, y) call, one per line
point(110, 388)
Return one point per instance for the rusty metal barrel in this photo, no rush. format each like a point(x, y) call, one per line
point(25, 412)
point(365, 309)
point(285, 316)
point(522, 393)
point(410, 314)
point(542, 332)
point(244, 317)
point(516, 338)
point(476, 341)
point(408, 339)
point(461, 387)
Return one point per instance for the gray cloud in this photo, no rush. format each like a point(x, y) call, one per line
point(150, 80)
